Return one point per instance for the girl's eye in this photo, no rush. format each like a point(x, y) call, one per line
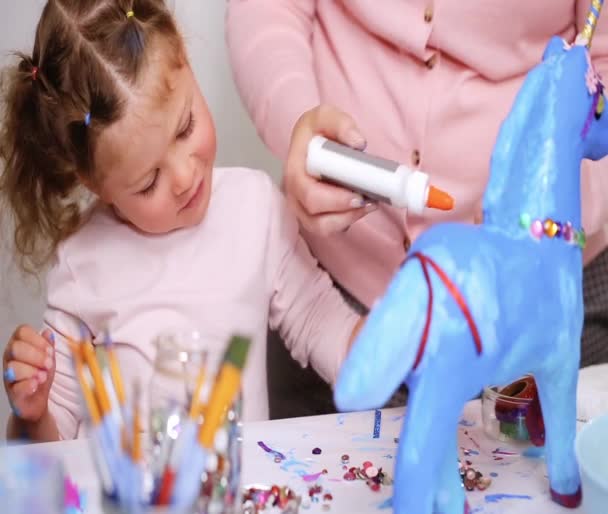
point(184, 134)
point(149, 189)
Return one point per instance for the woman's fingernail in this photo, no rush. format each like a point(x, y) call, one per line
point(371, 206)
point(50, 351)
point(357, 202)
point(34, 387)
point(9, 375)
point(48, 363)
point(41, 376)
point(354, 139)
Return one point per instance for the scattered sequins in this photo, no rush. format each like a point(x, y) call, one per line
point(317, 494)
point(471, 478)
point(259, 498)
point(374, 477)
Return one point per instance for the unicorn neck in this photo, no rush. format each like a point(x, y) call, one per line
point(553, 192)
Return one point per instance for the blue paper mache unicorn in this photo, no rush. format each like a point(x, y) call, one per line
point(475, 305)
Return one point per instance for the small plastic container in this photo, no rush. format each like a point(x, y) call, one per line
point(592, 454)
point(31, 481)
point(512, 413)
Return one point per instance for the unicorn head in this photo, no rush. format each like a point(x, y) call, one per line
point(557, 120)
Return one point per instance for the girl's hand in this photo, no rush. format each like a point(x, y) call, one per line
point(322, 208)
point(29, 368)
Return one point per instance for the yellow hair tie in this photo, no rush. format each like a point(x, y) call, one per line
point(130, 14)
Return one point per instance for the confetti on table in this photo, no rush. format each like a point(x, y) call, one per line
point(277, 454)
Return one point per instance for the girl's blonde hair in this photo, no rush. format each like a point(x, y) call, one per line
point(87, 58)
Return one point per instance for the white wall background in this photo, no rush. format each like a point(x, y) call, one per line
point(202, 22)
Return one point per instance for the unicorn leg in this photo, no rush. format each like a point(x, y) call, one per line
point(450, 498)
point(384, 352)
point(557, 393)
point(424, 441)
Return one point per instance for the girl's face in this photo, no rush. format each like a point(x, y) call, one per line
point(155, 164)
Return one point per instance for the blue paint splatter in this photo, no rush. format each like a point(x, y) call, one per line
point(476, 510)
point(286, 464)
point(377, 423)
point(494, 474)
point(465, 423)
point(341, 418)
point(386, 504)
point(534, 452)
point(495, 498)
point(388, 456)
point(398, 418)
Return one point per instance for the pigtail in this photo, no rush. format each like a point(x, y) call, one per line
point(35, 181)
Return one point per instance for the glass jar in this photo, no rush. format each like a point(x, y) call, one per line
point(185, 368)
point(512, 413)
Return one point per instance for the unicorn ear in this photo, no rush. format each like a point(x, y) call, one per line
point(554, 47)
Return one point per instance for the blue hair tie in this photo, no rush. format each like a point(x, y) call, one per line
point(87, 119)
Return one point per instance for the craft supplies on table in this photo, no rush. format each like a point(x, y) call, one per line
point(191, 463)
point(519, 482)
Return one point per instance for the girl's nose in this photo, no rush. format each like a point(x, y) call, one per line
point(182, 172)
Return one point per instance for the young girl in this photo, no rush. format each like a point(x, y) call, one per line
point(108, 101)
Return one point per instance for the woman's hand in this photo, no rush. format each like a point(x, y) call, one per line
point(322, 208)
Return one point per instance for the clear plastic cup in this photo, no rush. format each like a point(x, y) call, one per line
point(31, 481)
point(592, 454)
point(512, 413)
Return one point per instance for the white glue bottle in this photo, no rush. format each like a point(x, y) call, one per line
point(374, 177)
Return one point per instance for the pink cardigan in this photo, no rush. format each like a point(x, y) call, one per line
point(427, 81)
